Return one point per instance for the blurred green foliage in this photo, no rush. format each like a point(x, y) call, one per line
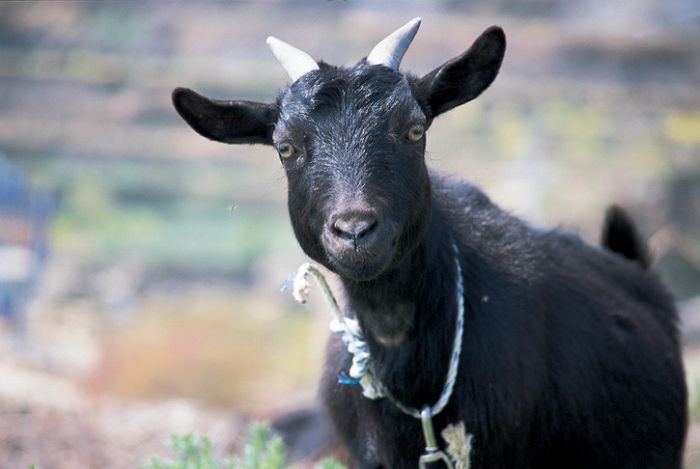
point(191, 452)
point(162, 214)
point(261, 450)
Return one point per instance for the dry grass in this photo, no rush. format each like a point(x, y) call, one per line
point(224, 350)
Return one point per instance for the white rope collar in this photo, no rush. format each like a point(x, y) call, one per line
point(351, 334)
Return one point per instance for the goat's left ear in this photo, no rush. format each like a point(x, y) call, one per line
point(226, 121)
point(465, 77)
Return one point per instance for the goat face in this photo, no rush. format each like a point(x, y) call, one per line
point(352, 142)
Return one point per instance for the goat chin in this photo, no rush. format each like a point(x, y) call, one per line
point(358, 267)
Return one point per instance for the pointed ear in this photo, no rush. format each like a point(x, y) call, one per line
point(465, 77)
point(226, 121)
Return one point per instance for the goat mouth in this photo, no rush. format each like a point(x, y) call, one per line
point(363, 273)
point(361, 266)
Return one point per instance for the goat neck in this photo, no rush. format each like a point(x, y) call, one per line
point(407, 315)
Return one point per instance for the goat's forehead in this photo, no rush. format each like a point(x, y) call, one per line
point(360, 89)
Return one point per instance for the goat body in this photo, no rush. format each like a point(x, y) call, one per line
point(570, 356)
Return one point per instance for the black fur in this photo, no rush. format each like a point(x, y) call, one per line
point(571, 357)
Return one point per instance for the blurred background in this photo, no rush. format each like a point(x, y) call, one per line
point(141, 265)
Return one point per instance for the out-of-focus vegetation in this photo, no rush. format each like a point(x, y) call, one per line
point(160, 299)
point(213, 347)
point(194, 452)
point(170, 216)
point(261, 450)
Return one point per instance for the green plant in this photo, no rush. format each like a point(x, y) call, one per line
point(329, 464)
point(191, 452)
point(262, 449)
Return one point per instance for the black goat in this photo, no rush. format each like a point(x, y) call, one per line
point(570, 356)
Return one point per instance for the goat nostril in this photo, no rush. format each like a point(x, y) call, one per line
point(353, 228)
point(339, 232)
point(366, 229)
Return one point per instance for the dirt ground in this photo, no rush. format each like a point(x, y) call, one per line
point(51, 420)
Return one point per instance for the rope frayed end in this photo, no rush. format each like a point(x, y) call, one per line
point(300, 284)
point(348, 329)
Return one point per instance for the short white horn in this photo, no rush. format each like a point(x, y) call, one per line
point(294, 61)
point(392, 48)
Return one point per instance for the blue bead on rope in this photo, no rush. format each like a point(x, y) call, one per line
point(343, 378)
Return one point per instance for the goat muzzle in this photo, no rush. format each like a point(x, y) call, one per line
point(358, 244)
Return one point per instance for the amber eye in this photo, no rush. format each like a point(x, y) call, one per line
point(285, 150)
point(415, 133)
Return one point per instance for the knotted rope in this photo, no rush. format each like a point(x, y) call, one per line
point(361, 372)
point(348, 328)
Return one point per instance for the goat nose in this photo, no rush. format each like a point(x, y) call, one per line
point(354, 227)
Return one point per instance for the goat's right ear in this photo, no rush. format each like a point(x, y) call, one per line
point(465, 77)
point(226, 121)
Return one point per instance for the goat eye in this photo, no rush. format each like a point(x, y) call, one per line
point(285, 150)
point(415, 133)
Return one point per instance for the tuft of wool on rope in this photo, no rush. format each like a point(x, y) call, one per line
point(459, 444)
